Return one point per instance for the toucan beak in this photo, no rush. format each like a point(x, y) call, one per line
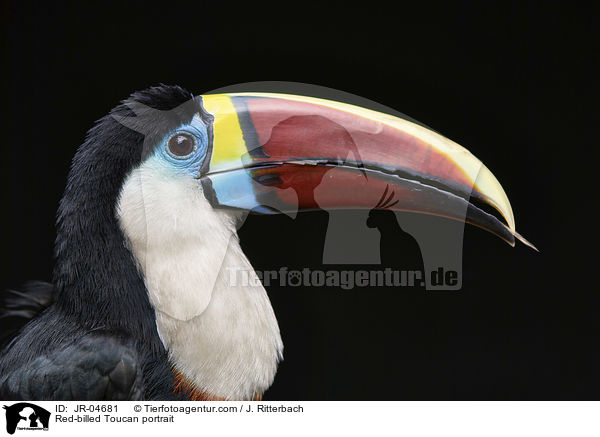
point(284, 153)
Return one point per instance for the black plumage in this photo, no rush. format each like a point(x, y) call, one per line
point(17, 307)
point(92, 335)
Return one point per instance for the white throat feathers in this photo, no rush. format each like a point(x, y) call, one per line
point(222, 337)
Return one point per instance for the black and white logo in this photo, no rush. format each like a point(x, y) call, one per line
point(26, 416)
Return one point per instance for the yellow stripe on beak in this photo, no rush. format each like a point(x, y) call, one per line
point(228, 142)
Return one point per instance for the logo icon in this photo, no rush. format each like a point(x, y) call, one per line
point(26, 416)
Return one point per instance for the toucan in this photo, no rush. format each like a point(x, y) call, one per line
point(140, 306)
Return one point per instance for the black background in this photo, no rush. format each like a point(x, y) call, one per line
point(515, 84)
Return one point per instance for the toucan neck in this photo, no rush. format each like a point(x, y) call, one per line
point(96, 278)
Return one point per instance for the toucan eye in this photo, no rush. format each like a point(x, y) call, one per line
point(181, 145)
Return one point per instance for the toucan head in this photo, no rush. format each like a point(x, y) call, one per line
point(269, 153)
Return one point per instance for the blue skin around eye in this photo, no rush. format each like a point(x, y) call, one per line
point(188, 165)
point(235, 189)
